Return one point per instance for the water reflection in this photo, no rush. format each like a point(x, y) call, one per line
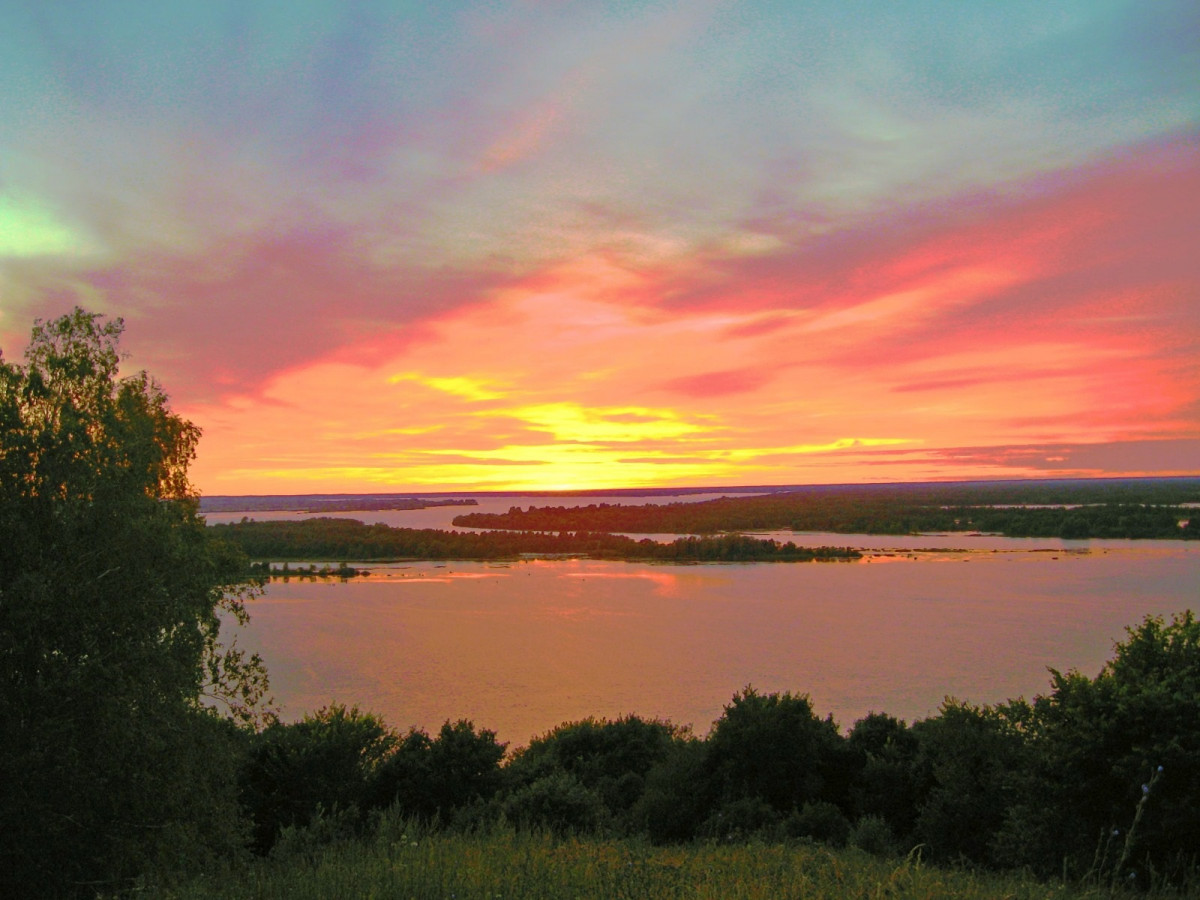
point(522, 647)
point(666, 583)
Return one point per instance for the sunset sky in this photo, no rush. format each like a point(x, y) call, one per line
point(391, 246)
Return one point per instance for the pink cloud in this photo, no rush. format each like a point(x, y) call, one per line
point(1127, 219)
point(256, 306)
point(718, 384)
point(1128, 458)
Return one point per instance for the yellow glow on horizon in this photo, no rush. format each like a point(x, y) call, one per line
point(554, 475)
point(411, 431)
point(554, 467)
point(458, 386)
point(577, 423)
point(830, 447)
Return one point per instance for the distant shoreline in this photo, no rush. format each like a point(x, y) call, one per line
point(321, 501)
point(209, 501)
point(306, 503)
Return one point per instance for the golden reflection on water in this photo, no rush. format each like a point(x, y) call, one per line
point(522, 647)
point(666, 583)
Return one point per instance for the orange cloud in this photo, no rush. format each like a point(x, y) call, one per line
point(1035, 325)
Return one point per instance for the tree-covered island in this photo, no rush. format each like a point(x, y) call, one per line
point(325, 503)
point(350, 539)
point(1115, 508)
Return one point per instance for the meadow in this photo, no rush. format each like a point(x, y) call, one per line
point(403, 860)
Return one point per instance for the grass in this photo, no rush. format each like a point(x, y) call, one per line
point(401, 862)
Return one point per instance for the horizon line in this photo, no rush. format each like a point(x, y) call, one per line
point(707, 489)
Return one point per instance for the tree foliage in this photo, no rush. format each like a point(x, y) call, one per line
point(1111, 750)
point(967, 758)
point(610, 758)
point(325, 763)
point(887, 786)
point(775, 747)
point(437, 778)
point(113, 755)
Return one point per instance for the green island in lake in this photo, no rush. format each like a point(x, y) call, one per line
point(350, 539)
point(1069, 509)
point(1151, 508)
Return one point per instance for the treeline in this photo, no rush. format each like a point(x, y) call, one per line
point(1124, 509)
point(324, 503)
point(350, 539)
point(1097, 780)
point(264, 569)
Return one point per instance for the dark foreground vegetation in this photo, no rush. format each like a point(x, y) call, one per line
point(123, 719)
point(137, 754)
point(401, 859)
point(349, 539)
point(1123, 508)
point(1098, 780)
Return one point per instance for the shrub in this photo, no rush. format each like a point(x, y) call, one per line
point(557, 803)
point(969, 758)
point(611, 758)
point(678, 794)
point(874, 835)
point(887, 785)
point(743, 819)
point(436, 778)
point(774, 747)
point(326, 763)
point(305, 842)
point(820, 821)
point(1098, 744)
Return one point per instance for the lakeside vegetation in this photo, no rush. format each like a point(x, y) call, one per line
point(350, 539)
point(1123, 508)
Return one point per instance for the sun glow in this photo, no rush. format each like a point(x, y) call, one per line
point(575, 375)
point(574, 423)
point(459, 386)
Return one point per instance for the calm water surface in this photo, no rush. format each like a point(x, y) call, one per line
point(520, 648)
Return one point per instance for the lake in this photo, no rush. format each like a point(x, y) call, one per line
point(522, 647)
